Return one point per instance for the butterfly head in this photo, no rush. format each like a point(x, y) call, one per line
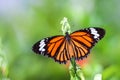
point(67, 36)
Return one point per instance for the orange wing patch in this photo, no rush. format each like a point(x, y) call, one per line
point(80, 46)
point(54, 44)
point(61, 51)
point(82, 40)
point(78, 33)
point(63, 54)
point(88, 38)
point(55, 39)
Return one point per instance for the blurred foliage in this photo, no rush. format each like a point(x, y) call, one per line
point(23, 22)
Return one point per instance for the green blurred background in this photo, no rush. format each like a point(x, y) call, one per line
point(23, 22)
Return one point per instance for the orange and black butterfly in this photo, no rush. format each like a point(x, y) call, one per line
point(75, 45)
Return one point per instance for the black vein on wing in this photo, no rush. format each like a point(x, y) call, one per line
point(74, 50)
point(58, 49)
point(79, 48)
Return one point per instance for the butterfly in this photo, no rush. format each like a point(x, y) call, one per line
point(63, 48)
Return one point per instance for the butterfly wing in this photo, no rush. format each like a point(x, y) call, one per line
point(53, 47)
point(84, 40)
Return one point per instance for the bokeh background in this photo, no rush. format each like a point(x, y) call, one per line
point(23, 22)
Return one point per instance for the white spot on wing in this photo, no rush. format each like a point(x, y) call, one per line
point(42, 41)
point(95, 33)
point(43, 50)
point(42, 45)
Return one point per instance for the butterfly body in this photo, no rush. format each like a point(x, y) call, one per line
point(75, 45)
point(67, 37)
